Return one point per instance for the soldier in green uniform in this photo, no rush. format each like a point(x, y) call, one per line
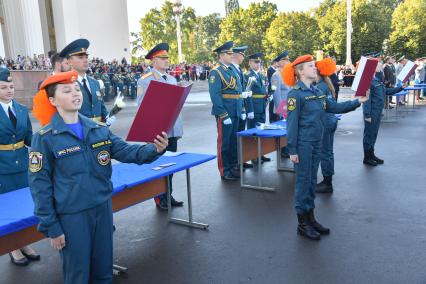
point(225, 92)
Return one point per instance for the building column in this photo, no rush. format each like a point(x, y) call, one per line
point(23, 27)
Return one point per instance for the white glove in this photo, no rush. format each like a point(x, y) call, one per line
point(250, 115)
point(246, 94)
point(243, 116)
point(368, 119)
point(273, 87)
point(227, 121)
point(110, 120)
point(270, 98)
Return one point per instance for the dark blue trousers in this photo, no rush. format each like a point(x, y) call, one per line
point(172, 147)
point(227, 155)
point(371, 131)
point(327, 153)
point(306, 175)
point(87, 255)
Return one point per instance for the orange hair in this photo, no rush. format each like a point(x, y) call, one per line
point(326, 67)
point(43, 110)
point(288, 73)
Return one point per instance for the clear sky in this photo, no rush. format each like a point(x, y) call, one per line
point(138, 8)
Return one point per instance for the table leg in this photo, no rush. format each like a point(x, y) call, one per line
point(279, 164)
point(183, 222)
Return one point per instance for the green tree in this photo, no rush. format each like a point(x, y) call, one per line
point(137, 47)
point(160, 26)
point(248, 26)
point(296, 32)
point(408, 35)
point(370, 27)
point(205, 37)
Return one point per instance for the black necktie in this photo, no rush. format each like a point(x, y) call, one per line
point(164, 77)
point(12, 117)
point(87, 90)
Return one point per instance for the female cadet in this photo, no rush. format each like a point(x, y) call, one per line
point(15, 134)
point(325, 68)
point(373, 114)
point(305, 105)
point(69, 177)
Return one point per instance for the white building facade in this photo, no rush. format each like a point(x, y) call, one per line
point(37, 26)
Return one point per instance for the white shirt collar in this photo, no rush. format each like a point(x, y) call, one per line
point(236, 65)
point(80, 78)
point(161, 74)
point(6, 107)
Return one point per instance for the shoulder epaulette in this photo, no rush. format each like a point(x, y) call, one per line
point(146, 75)
point(45, 129)
point(296, 87)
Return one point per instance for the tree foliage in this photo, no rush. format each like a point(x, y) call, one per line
point(408, 35)
point(248, 26)
point(285, 34)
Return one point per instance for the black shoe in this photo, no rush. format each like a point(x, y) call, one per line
point(19, 262)
point(368, 159)
point(265, 159)
point(304, 228)
point(317, 226)
point(254, 162)
point(176, 203)
point(285, 155)
point(162, 207)
point(229, 177)
point(378, 160)
point(34, 257)
point(247, 166)
point(323, 187)
point(236, 173)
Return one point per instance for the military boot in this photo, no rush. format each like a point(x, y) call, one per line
point(304, 228)
point(317, 226)
point(368, 158)
point(375, 158)
point(326, 186)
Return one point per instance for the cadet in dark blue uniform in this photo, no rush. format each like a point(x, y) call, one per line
point(225, 92)
point(373, 114)
point(237, 60)
point(259, 96)
point(326, 68)
point(93, 105)
point(305, 106)
point(15, 134)
point(70, 179)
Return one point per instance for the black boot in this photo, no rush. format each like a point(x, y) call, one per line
point(325, 186)
point(317, 226)
point(368, 158)
point(304, 228)
point(375, 158)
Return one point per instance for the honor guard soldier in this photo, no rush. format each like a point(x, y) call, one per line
point(237, 60)
point(271, 70)
point(305, 105)
point(225, 93)
point(15, 135)
point(93, 105)
point(70, 179)
point(373, 113)
point(159, 57)
point(259, 96)
point(279, 89)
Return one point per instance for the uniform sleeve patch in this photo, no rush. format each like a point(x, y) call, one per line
point(212, 79)
point(101, 144)
point(291, 104)
point(35, 161)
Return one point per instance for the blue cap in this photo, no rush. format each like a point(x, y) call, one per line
point(226, 47)
point(160, 50)
point(240, 49)
point(256, 56)
point(79, 46)
point(374, 54)
point(5, 75)
point(281, 56)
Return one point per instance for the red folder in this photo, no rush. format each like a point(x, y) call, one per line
point(158, 111)
point(407, 71)
point(364, 75)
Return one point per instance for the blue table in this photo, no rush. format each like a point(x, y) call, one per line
point(387, 117)
point(132, 184)
point(253, 143)
point(414, 89)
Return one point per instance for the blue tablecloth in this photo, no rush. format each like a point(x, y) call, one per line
point(402, 93)
point(413, 88)
point(17, 207)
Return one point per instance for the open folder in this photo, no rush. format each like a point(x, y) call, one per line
point(364, 75)
point(407, 71)
point(158, 111)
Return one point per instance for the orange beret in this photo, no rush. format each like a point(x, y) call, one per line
point(326, 67)
point(60, 78)
point(43, 110)
point(288, 74)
